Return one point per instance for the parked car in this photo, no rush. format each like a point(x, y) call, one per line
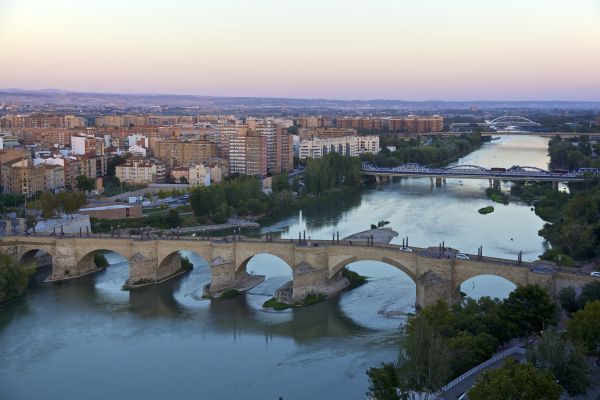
point(406, 249)
point(595, 274)
point(462, 256)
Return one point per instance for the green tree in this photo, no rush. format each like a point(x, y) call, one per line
point(383, 382)
point(556, 353)
point(100, 261)
point(590, 292)
point(568, 299)
point(13, 278)
point(30, 221)
point(515, 381)
point(86, 184)
point(281, 183)
point(48, 204)
point(69, 202)
point(183, 180)
point(584, 328)
point(424, 361)
point(172, 219)
point(529, 308)
point(469, 351)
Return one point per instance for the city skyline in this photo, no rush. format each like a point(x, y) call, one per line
point(335, 50)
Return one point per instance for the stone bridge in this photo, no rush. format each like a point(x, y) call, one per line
point(315, 269)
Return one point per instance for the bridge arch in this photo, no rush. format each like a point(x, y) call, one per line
point(466, 167)
point(493, 286)
point(182, 254)
point(88, 262)
point(336, 268)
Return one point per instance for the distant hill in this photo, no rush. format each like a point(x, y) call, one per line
point(67, 98)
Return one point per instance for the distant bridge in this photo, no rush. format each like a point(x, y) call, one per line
point(508, 123)
point(514, 173)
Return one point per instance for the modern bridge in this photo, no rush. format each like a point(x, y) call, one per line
point(505, 123)
point(495, 175)
point(316, 265)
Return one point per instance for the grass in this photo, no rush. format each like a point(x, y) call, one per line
point(229, 293)
point(486, 210)
point(313, 299)
point(276, 305)
point(355, 278)
point(310, 299)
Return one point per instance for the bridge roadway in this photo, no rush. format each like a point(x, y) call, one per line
point(316, 266)
point(514, 173)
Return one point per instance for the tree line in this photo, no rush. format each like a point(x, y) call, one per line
point(434, 151)
point(573, 223)
point(442, 342)
point(243, 196)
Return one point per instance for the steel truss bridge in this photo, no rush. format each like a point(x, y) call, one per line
point(514, 173)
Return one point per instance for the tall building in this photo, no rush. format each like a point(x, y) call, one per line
point(285, 151)
point(248, 154)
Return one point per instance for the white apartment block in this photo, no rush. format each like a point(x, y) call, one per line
point(347, 145)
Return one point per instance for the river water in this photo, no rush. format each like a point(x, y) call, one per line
point(87, 339)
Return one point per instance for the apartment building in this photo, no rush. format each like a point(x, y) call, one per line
point(54, 177)
point(141, 172)
point(22, 177)
point(40, 120)
point(248, 154)
point(174, 152)
point(416, 124)
point(86, 144)
point(347, 146)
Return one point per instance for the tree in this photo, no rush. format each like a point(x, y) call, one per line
point(469, 351)
point(172, 219)
point(383, 382)
point(183, 179)
point(48, 204)
point(529, 308)
point(112, 164)
point(69, 202)
point(589, 293)
point(554, 352)
point(584, 328)
point(84, 183)
point(424, 361)
point(515, 381)
point(568, 299)
point(281, 183)
point(30, 221)
point(13, 278)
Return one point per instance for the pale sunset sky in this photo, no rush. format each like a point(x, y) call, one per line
point(341, 49)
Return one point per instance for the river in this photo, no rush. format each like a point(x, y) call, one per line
point(87, 339)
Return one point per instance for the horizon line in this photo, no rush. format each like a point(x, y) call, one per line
point(295, 98)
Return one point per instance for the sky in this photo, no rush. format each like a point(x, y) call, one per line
point(338, 49)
